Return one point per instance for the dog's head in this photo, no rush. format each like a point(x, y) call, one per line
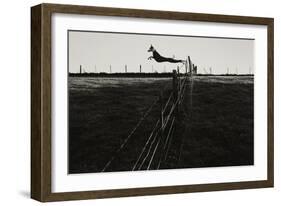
point(151, 49)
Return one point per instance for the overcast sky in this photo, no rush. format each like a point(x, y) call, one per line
point(96, 51)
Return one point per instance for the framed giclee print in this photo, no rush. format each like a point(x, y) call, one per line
point(132, 102)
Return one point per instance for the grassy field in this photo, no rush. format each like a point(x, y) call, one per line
point(221, 126)
point(214, 129)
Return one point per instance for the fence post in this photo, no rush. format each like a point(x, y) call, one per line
point(175, 90)
point(192, 69)
point(179, 79)
point(195, 70)
point(190, 65)
point(185, 65)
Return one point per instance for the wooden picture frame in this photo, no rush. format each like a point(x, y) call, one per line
point(41, 116)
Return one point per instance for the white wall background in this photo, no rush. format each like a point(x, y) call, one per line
point(15, 102)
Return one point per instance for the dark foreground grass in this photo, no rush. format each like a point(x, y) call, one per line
point(220, 130)
point(101, 117)
point(214, 129)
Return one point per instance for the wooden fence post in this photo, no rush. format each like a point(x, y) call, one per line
point(175, 90)
point(185, 67)
point(179, 79)
point(190, 65)
point(195, 70)
point(192, 71)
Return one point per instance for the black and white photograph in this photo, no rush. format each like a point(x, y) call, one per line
point(135, 102)
point(141, 102)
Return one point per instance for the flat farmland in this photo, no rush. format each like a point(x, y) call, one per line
point(214, 124)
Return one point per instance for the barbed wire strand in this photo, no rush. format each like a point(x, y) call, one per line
point(166, 143)
point(146, 144)
point(130, 135)
point(148, 152)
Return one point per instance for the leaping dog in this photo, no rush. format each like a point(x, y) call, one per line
point(157, 57)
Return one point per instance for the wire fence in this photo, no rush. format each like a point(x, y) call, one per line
point(160, 137)
point(156, 148)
